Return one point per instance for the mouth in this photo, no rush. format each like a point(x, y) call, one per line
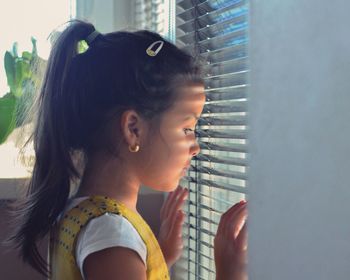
point(186, 168)
point(184, 171)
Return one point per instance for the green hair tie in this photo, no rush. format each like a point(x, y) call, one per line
point(82, 46)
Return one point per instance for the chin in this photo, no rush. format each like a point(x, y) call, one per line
point(169, 187)
point(166, 186)
point(173, 188)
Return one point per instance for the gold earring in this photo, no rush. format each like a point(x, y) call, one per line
point(134, 149)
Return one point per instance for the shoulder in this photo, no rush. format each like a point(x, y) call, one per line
point(114, 263)
point(109, 232)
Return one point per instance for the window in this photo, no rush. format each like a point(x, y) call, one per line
point(215, 30)
point(152, 15)
point(35, 18)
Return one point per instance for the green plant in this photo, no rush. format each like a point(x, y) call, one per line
point(22, 77)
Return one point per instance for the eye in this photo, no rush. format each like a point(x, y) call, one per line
point(188, 130)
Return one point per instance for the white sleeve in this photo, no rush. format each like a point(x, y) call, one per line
point(105, 231)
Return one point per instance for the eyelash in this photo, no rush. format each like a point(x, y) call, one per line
point(189, 129)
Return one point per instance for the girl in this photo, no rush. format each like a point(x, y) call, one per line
point(129, 104)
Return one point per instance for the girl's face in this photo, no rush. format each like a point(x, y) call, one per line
point(171, 150)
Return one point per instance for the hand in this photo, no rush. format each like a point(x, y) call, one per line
point(230, 244)
point(171, 221)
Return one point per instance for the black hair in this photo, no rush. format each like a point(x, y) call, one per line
point(81, 94)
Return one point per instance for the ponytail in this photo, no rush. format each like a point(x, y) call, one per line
point(49, 186)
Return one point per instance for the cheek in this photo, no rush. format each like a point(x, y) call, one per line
point(173, 152)
point(180, 156)
point(179, 143)
point(168, 157)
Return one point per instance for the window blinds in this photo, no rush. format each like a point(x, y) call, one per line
point(216, 31)
point(151, 14)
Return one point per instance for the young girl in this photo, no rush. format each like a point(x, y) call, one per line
point(130, 104)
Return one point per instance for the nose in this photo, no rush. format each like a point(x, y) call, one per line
point(195, 149)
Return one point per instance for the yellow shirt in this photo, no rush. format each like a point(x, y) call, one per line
point(64, 235)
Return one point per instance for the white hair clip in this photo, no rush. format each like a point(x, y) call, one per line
point(151, 52)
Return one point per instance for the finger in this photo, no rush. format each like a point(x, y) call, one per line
point(233, 209)
point(176, 227)
point(230, 215)
point(228, 224)
point(169, 200)
point(164, 208)
point(236, 222)
point(225, 216)
point(178, 202)
point(237, 205)
point(242, 239)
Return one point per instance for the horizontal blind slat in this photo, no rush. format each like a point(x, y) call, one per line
point(201, 30)
point(191, 9)
point(205, 208)
point(224, 186)
point(223, 160)
point(227, 203)
point(207, 269)
point(231, 93)
point(212, 234)
point(224, 53)
point(222, 81)
point(199, 252)
point(228, 66)
point(227, 174)
point(205, 219)
point(241, 182)
point(216, 42)
point(225, 133)
point(238, 148)
point(228, 106)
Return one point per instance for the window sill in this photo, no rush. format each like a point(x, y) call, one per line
point(15, 169)
point(11, 188)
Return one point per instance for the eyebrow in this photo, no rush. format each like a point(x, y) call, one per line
point(193, 115)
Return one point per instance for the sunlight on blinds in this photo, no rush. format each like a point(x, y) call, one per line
point(216, 32)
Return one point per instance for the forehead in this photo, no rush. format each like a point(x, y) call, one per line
point(189, 98)
point(189, 102)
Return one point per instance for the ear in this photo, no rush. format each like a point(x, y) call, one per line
point(132, 127)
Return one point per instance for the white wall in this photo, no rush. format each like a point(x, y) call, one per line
point(300, 148)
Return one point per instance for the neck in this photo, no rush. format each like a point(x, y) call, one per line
point(112, 179)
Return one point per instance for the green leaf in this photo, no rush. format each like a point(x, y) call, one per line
point(34, 50)
point(27, 56)
point(22, 81)
point(9, 62)
point(9, 94)
point(25, 102)
point(20, 76)
point(26, 71)
point(7, 116)
point(15, 49)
